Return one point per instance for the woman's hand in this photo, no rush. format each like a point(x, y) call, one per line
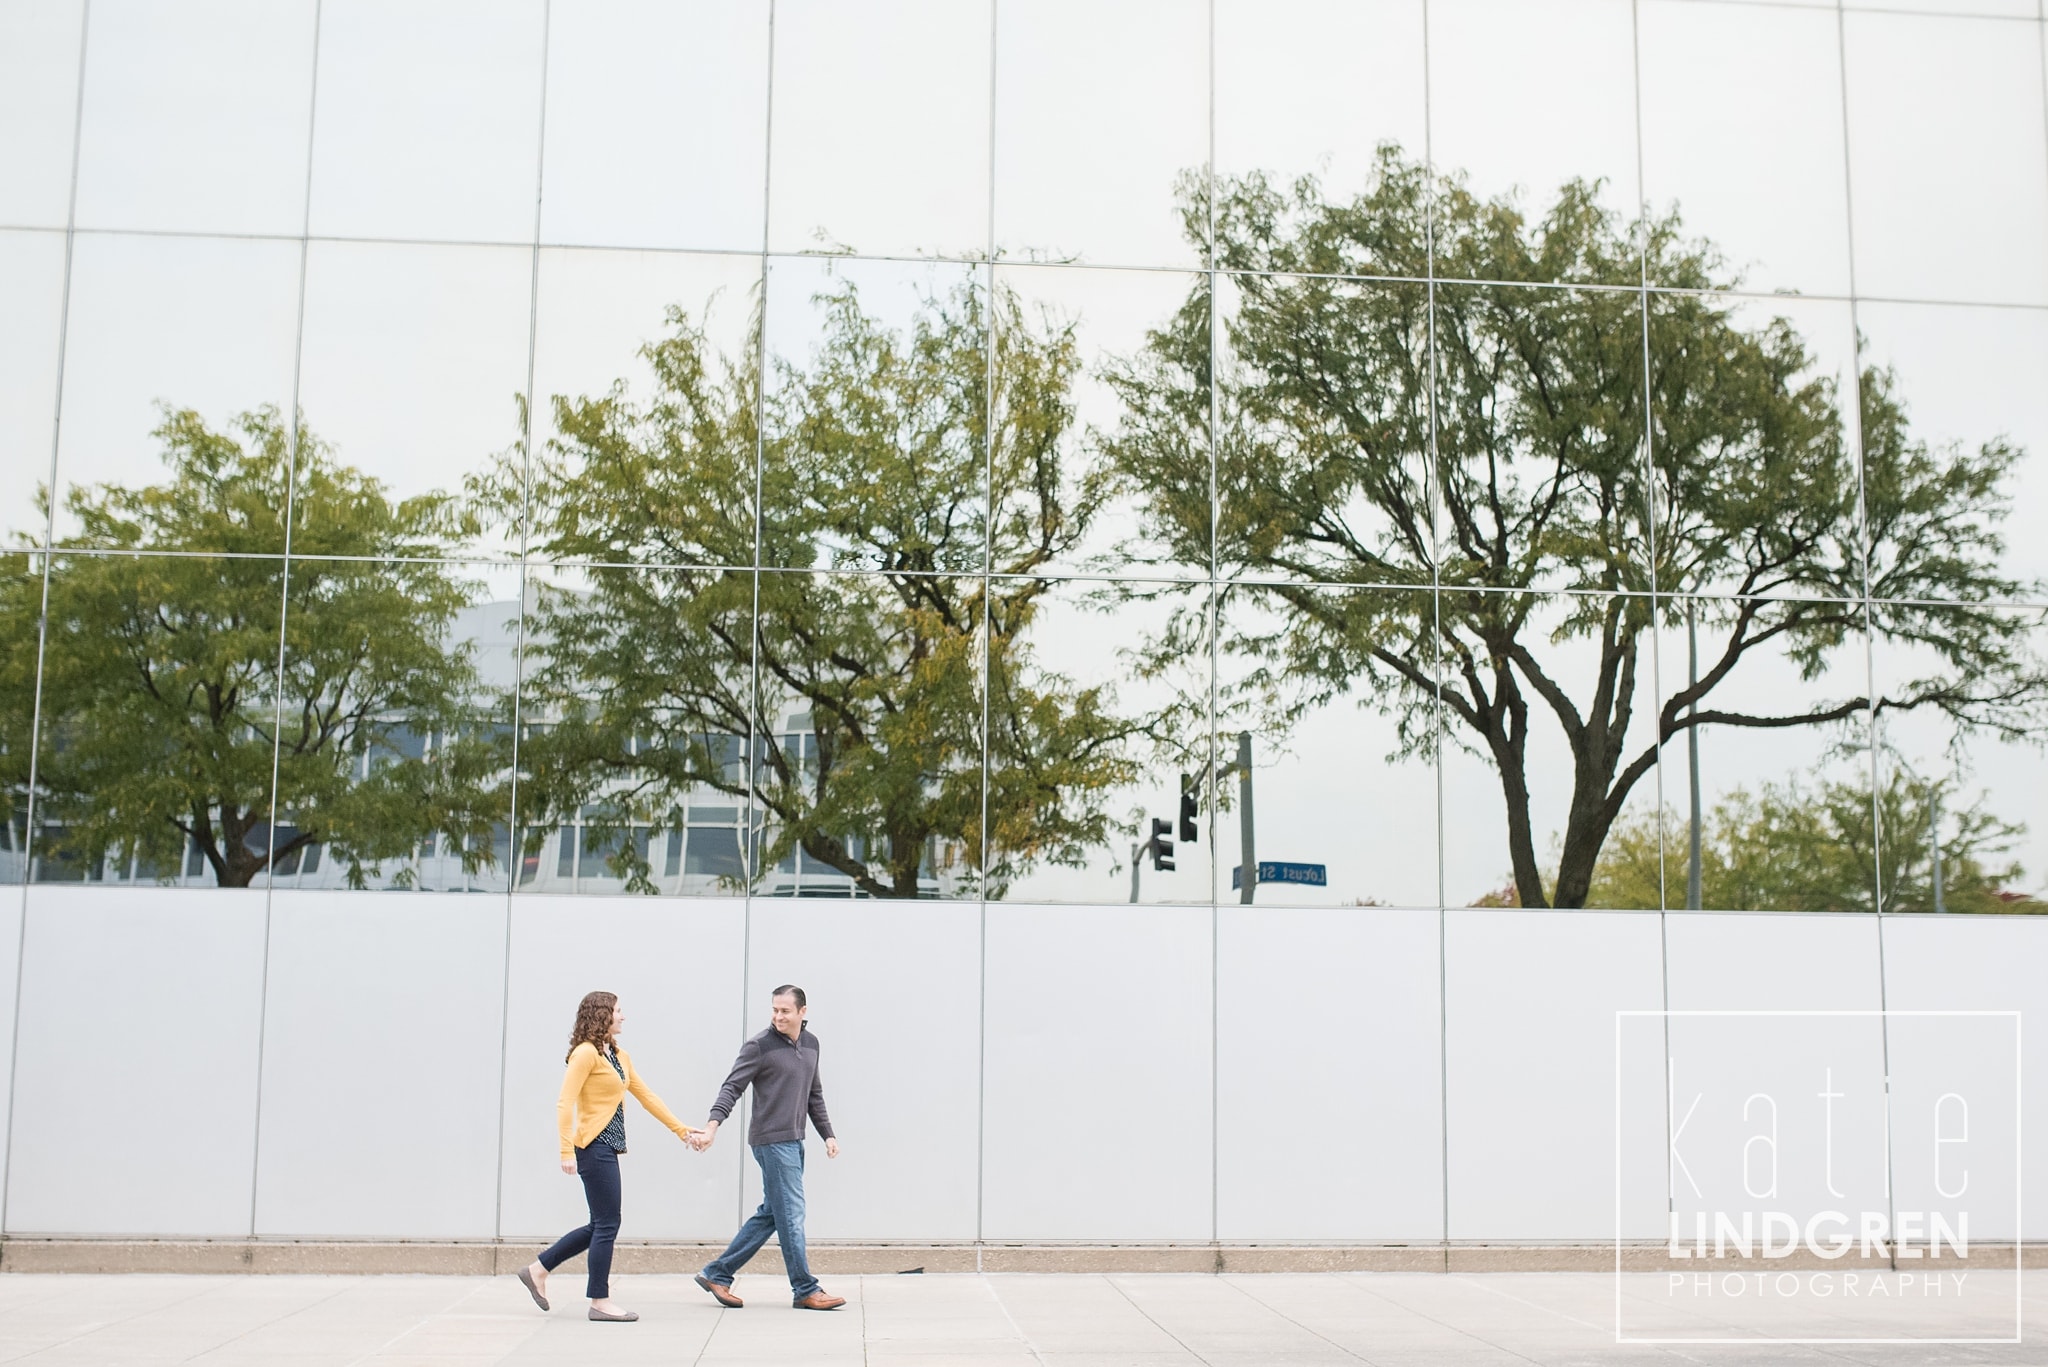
point(569, 1166)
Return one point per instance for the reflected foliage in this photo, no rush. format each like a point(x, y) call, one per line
point(1808, 846)
point(1349, 411)
point(1469, 504)
point(865, 748)
point(166, 677)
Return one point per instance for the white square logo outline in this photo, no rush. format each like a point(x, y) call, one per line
point(1884, 1015)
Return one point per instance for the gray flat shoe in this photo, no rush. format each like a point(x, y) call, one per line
point(626, 1318)
point(526, 1280)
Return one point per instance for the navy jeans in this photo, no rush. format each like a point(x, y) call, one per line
point(781, 1214)
point(598, 1166)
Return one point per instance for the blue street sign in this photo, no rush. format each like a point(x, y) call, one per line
point(1275, 871)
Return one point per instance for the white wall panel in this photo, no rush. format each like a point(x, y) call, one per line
point(10, 961)
point(381, 1066)
point(1328, 1061)
point(135, 1086)
point(1776, 1112)
point(895, 994)
point(1772, 961)
point(675, 963)
point(1973, 963)
point(1098, 1074)
point(1531, 998)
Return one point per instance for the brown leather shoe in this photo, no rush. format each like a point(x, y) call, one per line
point(722, 1294)
point(818, 1300)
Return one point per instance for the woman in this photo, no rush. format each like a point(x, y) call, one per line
point(591, 1116)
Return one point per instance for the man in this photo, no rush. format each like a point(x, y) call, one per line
point(781, 1065)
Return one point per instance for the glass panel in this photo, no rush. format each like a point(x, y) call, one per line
point(868, 725)
point(395, 754)
point(1956, 442)
point(159, 712)
point(1332, 694)
point(1101, 462)
point(1742, 139)
point(415, 371)
point(645, 321)
point(168, 336)
point(2013, 9)
point(1756, 484)
point(1948, 169)
point(40, 43)
point(21, 611)
point(1539, 438)
point(1286, 108)
point(1534, 99)
point(195, 116)
point(1962, 701)
point(634, 707)
point(1101, 112)
point(656, 123)
point(1766, 711)
point(1323, 458)
point(1549, 750)
point(887, 155)
point(31, 323)
point(428, 124)
point(876, 454)
point(1098, 706)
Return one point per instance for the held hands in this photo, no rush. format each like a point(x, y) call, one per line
point(701, 1139)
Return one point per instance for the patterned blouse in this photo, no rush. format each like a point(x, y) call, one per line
point(615, 1133)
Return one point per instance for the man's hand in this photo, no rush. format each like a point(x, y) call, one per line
point(831, 1148)
point(569, 1166)
point(701, 1140)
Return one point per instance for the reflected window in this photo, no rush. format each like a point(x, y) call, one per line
point(1102, 113)
point(40, 47)
point(887, 155)
point(31, 321)
point(429, 120)
point(656, 123)
point(195, 116)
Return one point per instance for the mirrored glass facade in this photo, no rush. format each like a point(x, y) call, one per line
point(1508, 453)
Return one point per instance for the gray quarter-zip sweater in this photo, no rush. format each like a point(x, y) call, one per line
point(784, 1075)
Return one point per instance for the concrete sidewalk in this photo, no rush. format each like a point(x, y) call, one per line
point(1152, 1320)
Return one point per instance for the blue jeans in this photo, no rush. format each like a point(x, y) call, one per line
point(781, 1214)
point(598, 1166)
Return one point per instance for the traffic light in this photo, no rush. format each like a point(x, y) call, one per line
point(1161, 845)
point(1187, 808)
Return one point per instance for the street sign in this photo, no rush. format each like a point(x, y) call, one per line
point(1278, 871)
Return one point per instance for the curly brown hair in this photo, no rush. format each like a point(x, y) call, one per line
point(593, 1021)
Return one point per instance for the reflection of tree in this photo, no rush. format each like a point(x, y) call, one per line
point(1808, 847)
point(1338, 398)
point(162, 673)
point(863, 691)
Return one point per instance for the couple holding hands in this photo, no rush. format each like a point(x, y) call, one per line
point(780, 1064)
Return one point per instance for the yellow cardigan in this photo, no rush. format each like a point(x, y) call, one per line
point(591, 1094)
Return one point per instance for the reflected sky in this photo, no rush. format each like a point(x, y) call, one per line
point(419, 225)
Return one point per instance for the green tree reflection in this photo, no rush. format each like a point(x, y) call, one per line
point(851, 706)
point(1807, 846)
point(165, 677)
point(1377, 437)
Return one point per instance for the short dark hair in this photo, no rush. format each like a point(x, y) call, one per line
point(791, 990)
